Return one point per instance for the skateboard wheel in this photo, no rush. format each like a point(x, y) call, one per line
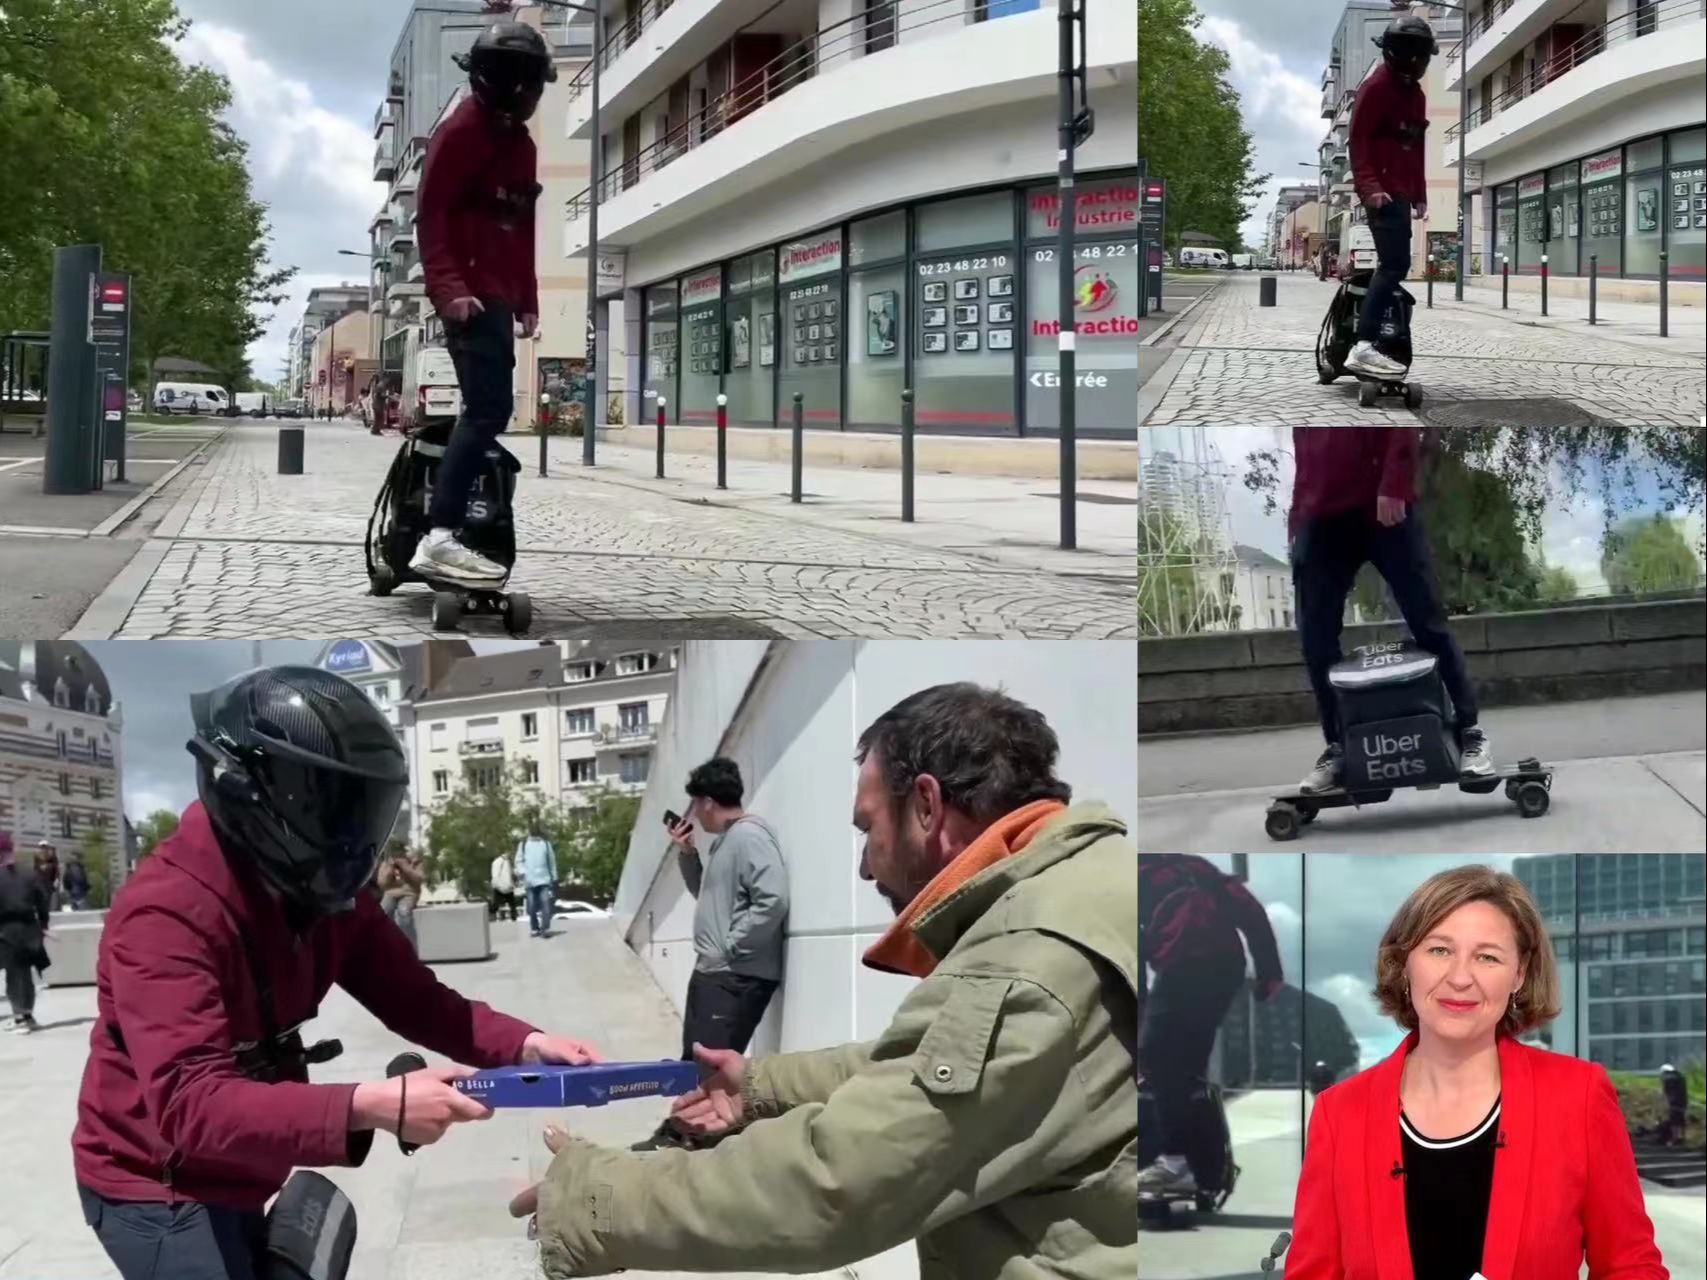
point(1532, 800)
point(1367, 393)
point(1307, 813)
point(1281, 823)
point(1413, 396)
point(1205, 1202)
point(518, 613)
point(381, 581)
point(1511, 786)
point(447, 610)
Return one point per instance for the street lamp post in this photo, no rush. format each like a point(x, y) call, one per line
point(1463, 128)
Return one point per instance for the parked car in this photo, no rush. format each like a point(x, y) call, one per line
point(568, 909)
point(1167, 259)
point(190, 398)
point(1242, 261)
point(289, 409)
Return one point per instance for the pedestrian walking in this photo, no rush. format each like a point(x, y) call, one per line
point(476, 225)
point(47, 872)
point(503, 886)
point(1676, 1090)
point(23, 927)
point(538, 863)
point(76, 883)
point(401, 876)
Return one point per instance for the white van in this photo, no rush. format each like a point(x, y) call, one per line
point(1203, 257)
point(190, 398)
point(257, 404)
point(437, 396)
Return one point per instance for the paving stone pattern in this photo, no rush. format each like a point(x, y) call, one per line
point(259, 554)
point(1250, 365)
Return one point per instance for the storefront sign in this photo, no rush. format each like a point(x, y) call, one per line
point(707, 286)
point(348, 656)
point(1534, 185)
point(1473, 175)
point(613, 270)
point(1105, 207)
point(1609, 164)
point(812, 257)
point(1106, 281)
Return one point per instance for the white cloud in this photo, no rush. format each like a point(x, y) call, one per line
point(302, 156)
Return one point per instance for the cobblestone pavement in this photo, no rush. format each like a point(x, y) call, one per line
point(1241, 364)
point(250, 553)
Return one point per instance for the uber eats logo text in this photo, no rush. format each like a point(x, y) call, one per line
point(1387, 756)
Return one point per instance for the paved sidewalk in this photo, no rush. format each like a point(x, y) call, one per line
point(1241, 364)
point(439, 1215)
point(248, 552)
point(1630, 776)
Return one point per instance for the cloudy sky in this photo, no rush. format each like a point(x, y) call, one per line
point(305, 80)
point(1277, 53)
point(152, 681)
point(1570, 528)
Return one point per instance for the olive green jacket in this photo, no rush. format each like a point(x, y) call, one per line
point(995, 1121)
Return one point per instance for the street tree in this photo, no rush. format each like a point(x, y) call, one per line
point(152, 830)
point(96, 850)
point(1191, 130)
point(1643, 556)
point(598, 843)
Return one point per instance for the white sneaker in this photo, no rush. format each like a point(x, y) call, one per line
point(1364, 358)
point(1328, 771)
point(1478, 758)
point(1162, 1180)
point(440, 554)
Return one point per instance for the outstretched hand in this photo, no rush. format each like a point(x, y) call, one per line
point(717, 1105)
point(526, 1204)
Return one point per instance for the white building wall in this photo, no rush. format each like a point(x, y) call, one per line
point(431, 752)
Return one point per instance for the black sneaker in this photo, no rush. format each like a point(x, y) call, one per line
point(1329, 770)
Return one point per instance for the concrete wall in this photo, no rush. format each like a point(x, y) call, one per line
point(1241, 681)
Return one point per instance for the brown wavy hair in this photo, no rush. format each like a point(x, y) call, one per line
point(1439, 896)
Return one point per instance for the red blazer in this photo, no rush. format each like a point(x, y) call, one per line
point(1565, 1183)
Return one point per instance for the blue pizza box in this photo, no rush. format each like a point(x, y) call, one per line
point(588, 1086)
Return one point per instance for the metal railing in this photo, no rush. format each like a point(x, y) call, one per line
point(800, 62)
point(1591, 44)
point(1495, 10)
point(622, 35)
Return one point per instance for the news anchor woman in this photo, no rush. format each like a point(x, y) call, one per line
point(1468, 1152)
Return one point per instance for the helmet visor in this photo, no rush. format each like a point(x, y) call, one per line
point(345, 814)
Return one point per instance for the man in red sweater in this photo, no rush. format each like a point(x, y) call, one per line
point(1388, 126)
point(1354, 503)
point(196, 1103)
point(475, 220)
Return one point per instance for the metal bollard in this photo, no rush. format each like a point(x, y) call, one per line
point(1431, 281)
point(1665, 317)
point(290, 451)
point(1593, 281)
point(1543, 284)
point(907, 455)
point(1265, 291)
point(722, 442)
point(1505, 282)
point(660, 437)
point(799, 443)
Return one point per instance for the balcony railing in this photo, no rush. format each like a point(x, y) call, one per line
point(383, 117)
point(1588, 46)
point(618, 42)
point(795, 65)
point(484, 748)
point(1495, 10)
point(627, 735)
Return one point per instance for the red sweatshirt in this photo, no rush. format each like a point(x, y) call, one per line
point(1389, 123)
point(1346, 468)
point(474, 214)
point(174, 977)
point(1190, 913)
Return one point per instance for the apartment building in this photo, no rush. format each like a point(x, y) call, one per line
point(324, 306)
point(1354, 54)
point(837, 200)
point(339, 367)
point(61, 774)
point(1585, 136)
point(1286, 201)
point(573, 719)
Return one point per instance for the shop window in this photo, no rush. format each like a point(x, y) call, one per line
point(1105, 294)
point(1505, 228)
point(702, 336)
point(877, 346)
point(1686, 205)
point(964, 222)
point(813, 328)
point(1646, 205)
point(1564, 220)
point(1531, 224)
point(751, 342)
point(877, 239)
point(963, 364)
point(662, 346)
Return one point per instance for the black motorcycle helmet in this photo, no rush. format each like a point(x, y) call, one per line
point(1407, 45)
point(508, 69)
point(301, 774)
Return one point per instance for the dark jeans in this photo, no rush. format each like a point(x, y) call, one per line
point(1182, 1011)
point(20, 984)
point(723, 1010)
point(483, 349)
point(502, 901)
point(541, 903)
point(153, 1241)
point(1326, 555)
point(1391, 227)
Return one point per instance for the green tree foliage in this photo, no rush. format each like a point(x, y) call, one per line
point(1647, 555)
point(152, 830)
point(1557, 584)
point(106, 136)
point(1190, 129)
point(468, 828)
point(96, 850)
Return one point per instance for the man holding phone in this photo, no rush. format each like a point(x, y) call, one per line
point(741, 884)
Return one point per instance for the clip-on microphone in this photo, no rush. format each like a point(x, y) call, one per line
point(1266, 1266)
point(402, 1065)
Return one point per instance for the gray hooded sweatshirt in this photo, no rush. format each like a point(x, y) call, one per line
point(742, 888)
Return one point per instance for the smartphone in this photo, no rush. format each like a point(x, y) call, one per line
point(672, 819)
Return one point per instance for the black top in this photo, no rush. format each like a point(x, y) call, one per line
point(1448, 1183)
